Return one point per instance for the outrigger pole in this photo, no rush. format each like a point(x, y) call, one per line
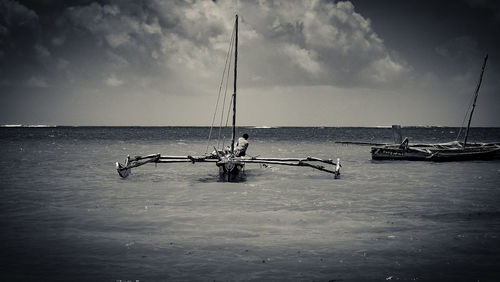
point(124, 170)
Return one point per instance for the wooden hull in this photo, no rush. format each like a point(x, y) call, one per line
point(231, 169)
point(437, 153)
point(388, 153)
point(466, 155)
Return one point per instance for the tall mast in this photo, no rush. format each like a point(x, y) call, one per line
point(234, 92)
point(475, 99)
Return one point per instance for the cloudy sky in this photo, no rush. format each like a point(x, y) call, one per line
point(304, 63)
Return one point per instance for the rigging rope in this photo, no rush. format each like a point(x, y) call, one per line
point(226, 67)
point(227, 121)
point(224, 103)
point(465, 116)
point(474, 100)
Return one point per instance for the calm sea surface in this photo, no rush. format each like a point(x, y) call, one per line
point(66, 215)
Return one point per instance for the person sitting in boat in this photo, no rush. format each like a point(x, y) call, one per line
point(404, 145)
point(240, 148)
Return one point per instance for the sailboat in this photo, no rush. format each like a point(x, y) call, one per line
point(230, 164)
point(451, 151)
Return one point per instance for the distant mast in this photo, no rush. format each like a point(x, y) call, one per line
point(475, 99)
point(234, 92)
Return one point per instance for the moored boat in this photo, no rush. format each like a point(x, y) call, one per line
point(452, 151)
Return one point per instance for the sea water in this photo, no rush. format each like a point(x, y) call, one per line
point(66, 215)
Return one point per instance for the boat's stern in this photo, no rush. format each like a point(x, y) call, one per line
point(230, 168)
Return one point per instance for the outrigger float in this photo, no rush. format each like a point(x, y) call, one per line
point(227, 160)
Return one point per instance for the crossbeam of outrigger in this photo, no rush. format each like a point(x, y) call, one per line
point(312, 162)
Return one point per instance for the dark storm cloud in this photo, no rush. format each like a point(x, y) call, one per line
point(112, 41)
point(19, 38)
point(422, 30)
point(84, 54)
point(320, 42)
point(491, 5)
point(302, 42)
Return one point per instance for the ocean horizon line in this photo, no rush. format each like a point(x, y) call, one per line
point(241, 126)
